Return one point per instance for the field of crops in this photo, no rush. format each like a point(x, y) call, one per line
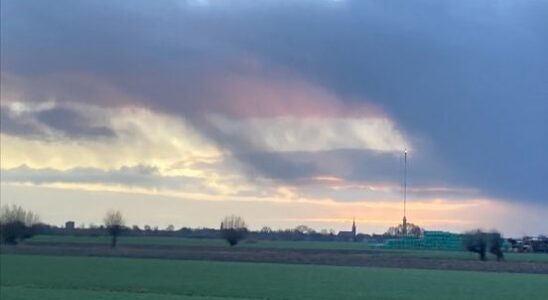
point(45, 277)
point(175, 241)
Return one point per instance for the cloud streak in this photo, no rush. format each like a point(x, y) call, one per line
point(314, 134)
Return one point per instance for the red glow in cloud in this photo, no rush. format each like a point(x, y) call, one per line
point(252, 91)
point(266, 97)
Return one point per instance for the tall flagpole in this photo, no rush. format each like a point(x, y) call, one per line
point(405, 192)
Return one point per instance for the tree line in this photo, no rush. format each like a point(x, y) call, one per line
point(17, 224)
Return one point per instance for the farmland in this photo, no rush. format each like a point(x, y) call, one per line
point(68, 267)
point(48, 277)
point(286, 252)
point(305, 245)
point(177, 241)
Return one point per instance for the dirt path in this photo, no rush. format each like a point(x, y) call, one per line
point(291, 256)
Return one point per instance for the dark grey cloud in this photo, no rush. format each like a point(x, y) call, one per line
point(350, 165)
point(72, 124)
point(289, 167)
point(132, 176)
point(53, 123)
point(472, 76)
point(469, 76)
point(16, 125)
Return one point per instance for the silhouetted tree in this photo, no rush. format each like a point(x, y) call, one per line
point(412, 230)
point(479, 242)
point(304, 229)
point(233, 229)
point(16, 224)
point(114, 223)
point(266, 229)
point(495, 241)
point(475, 241)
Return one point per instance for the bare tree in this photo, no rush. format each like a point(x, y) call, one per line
point(16, 223)
point(304, 229)
point(233, 229)
point(114, 223)
point(412, 230)
point(266, 229)
point(495, 241)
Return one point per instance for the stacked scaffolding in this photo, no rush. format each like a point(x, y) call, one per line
point(431, 240)
point(441, 240)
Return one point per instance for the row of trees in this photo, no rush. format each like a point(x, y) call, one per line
point(17, 224)
point(233, 228)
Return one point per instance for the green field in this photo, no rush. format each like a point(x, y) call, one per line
point(45, 277)
point(175, 241)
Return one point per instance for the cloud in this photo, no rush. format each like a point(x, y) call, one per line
point(313, 133)
point(126, 175)
point(72, 124)
point(138, 177)
point(47, 120)
point(295, 117)
point(14, 125)
point(463, 81)
point(138, 137)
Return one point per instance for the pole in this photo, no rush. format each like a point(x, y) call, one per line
point(405, 192)
point(405, 184)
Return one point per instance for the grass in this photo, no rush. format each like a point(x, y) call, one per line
point(176, 241)
point(432, 254)
point(24, 293)
point(45, 277)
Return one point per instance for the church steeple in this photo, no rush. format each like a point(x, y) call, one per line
point(354, 227)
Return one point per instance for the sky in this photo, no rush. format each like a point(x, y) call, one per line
point(282, 112)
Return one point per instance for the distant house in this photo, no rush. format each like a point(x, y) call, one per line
point(348, 236)
point(69, 225)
